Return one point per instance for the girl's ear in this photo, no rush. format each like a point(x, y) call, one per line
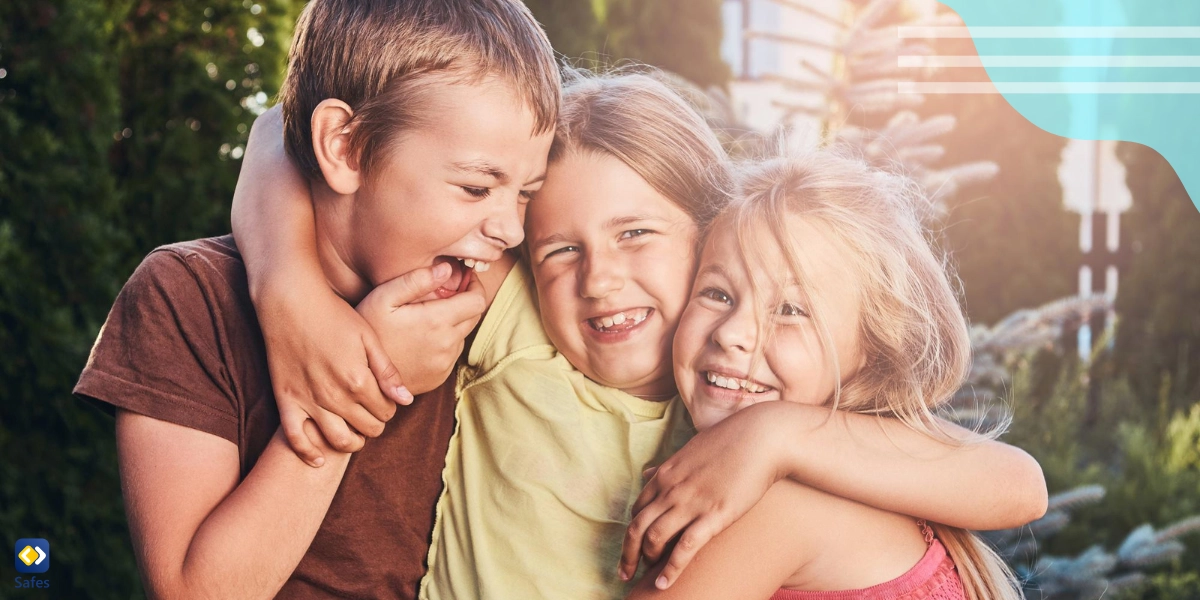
point(331, 145)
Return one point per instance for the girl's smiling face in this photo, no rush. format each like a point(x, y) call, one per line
point(613, 260)
point(725, 361)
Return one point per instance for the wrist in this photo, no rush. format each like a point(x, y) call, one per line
point(287, 287)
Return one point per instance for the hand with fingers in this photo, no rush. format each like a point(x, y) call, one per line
point(424, 338)
point(332, 368)
point(326, 364)
point(710, 483)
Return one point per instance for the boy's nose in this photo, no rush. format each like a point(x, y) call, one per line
point(506, 227)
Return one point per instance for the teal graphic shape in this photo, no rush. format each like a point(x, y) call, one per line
point(1137, 34)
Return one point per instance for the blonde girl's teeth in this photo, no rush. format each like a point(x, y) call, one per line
point(481, 266)
point(470, 262)
point(618, 318)
point(606, 321)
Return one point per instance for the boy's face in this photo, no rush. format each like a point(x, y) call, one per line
point(453, 188)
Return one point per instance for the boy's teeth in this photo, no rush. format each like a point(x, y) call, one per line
point(618, 318)
point(478, 265)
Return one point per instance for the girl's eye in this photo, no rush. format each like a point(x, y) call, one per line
point(717, 295)
point(787, 309)
point(526, 195)
point(476, 192)
point(634, 233)
point(561, 251)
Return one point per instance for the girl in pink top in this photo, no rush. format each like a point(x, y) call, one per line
point(817, 286)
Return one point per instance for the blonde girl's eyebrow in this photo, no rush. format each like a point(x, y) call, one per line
point(713, 269)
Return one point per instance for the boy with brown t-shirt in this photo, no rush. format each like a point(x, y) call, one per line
point(399, 114)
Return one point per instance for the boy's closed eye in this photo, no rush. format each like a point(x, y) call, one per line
point(476, 192)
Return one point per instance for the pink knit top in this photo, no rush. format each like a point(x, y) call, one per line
point(934, 577)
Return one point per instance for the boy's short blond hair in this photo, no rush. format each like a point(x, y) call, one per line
point(378, 56)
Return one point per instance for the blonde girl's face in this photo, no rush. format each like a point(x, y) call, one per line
point(613, 260)
point(718, 335)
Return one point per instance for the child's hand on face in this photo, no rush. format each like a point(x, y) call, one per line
point(338, 371)
point(425, 338)
point(713, 481)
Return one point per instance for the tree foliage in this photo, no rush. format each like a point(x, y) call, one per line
point(119, 130)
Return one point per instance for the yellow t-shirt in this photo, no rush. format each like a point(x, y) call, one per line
point(543, 468)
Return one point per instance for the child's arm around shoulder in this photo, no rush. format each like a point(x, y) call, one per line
point(309, 331)
point(753, 557)
point(877, 461)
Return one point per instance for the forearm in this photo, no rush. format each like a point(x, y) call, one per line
point(272, 215)
point(882, 462)
point(252, 541)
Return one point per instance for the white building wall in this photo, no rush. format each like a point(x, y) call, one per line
point(756, 98)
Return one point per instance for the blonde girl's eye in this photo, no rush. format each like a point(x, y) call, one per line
point(526, 196)
point(717, 295)
point(791, 309)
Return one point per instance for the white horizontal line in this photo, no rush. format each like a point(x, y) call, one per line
point(1047, 87)
point(940, 62)
point(910, 31)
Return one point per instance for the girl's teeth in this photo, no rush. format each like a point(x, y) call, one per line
point(733, 383)
point(481, 266)
point(635, 317)
point(470, 262)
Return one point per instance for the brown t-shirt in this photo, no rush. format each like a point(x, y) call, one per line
point(182, 344)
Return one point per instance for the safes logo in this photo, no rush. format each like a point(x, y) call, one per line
point(33, 555)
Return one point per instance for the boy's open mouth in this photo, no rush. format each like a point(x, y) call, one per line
point(460, 276)
point(734, 383)
point(620, 321)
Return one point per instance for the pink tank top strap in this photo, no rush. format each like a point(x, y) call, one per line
point(926, 531)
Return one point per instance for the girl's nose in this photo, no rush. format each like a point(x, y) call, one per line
point(601, 276)
point(738, 331)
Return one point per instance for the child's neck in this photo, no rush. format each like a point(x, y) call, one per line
point(332, 215)
point(655, 391)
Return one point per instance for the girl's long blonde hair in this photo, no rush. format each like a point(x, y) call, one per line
point(912, 330)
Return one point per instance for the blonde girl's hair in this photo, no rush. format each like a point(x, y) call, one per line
point(912, 331)
point(643, 118)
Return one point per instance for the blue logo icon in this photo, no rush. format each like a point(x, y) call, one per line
point(33, 555)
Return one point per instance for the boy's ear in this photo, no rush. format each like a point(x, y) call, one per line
point(331, 145)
